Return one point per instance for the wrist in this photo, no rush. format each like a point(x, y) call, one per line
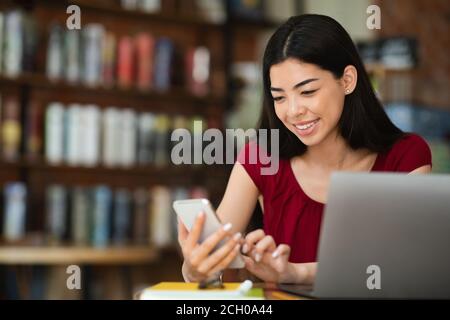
point(295, 273)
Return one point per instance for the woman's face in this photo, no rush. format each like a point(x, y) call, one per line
point(307, 99)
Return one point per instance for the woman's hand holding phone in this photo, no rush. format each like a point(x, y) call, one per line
point(200, 262)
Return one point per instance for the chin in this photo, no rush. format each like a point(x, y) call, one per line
point(310, 141)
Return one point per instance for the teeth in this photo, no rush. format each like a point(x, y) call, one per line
point(306, 126)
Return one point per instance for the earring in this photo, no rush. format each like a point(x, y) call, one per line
point(347, 91)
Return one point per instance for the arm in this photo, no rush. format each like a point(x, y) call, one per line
point(239, 200)
point(423, 169)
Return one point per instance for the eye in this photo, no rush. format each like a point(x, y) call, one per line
point(278, 99)
point(308, 92)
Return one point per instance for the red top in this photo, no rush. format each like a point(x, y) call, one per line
point(291, 217)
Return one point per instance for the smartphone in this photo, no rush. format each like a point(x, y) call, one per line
point(188, 210)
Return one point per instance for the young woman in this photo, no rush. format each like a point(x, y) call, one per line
point(318, 95)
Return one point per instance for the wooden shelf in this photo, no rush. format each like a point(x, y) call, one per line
point(101, 169)
point(173, 95)
point(18, 255)
point(161, 17)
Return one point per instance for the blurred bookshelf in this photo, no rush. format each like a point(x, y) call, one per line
point(148, 70)
point(17, 255)
point(396, 71)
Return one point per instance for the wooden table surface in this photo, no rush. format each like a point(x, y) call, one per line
point(271, 292)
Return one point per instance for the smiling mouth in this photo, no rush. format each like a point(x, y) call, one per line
point(306, 126)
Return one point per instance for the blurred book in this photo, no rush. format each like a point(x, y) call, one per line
point(149, 6)
point(398, 52)
point(197, 70)
point(109, 59)
point(15, 195)
point(13, 53)
point(55, 53)
point(164, 54)
point(247, 9)
point(11, 128)
point(369, 51)
point(90, 135)
point(54, 133)
point(144, 51)
point(72, 56)
point(56, 213)
point(140, 228)
point(125, 62)
point(146, 138)
point(93, 34)
point(160, 216)
point(101, 214)
point(212, 10)
point(121, 217)
point(127, 142)
point(162, 139)
point(34, 131)
point(30, 43)
point(129, 4)
point(2, 39)
point(111, 136)
point(80, 216)
point(74, 130)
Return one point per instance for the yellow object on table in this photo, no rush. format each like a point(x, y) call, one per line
point(190, 291)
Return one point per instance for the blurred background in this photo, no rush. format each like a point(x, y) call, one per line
point(86, 116)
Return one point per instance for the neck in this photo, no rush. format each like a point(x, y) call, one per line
point(332, 153)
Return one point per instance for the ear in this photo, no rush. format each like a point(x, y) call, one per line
point(349, 79)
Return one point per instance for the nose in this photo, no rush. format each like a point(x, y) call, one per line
point(296, 107)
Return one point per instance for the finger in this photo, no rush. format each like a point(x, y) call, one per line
point(182, 232)
point(251, 239)
point(265, 244)
point(249, 263)
point(281, 257)
point(225, 262)
point(282, 250)
point(202, 251)
point(219, 254)
point(196, 231)
point(253, 267)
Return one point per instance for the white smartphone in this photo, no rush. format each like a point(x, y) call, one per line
point(188, 210)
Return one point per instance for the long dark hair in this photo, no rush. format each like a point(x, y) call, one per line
point(322, 41)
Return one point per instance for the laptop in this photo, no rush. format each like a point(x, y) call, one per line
point(384, 235)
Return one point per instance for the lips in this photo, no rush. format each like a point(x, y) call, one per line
point(306, 124)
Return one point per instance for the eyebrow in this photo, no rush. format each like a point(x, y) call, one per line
point(304, 82)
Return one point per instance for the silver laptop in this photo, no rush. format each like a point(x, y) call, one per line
point(384, 235)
